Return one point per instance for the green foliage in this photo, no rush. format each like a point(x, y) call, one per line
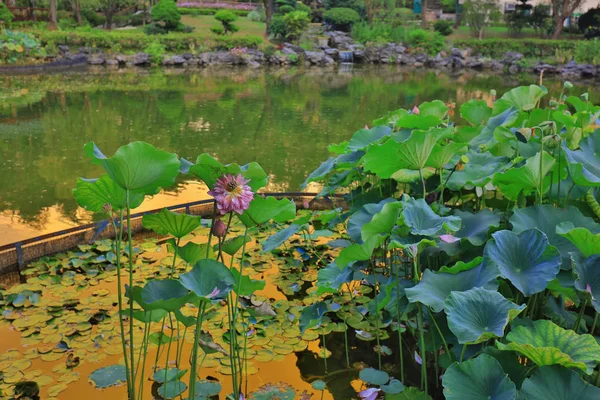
point(295, 24)
point(534, 48)
point(6, 16)
point(284, 9)
point(427, 41)
point(213, 11)
point(226, 18)
point(588, 51)
point(341, 18)
point(444, 27)
point(258, 15)
point(363, 32)
point(16, 46)
point(479, 14)
point(167, 14)
point(589, 23)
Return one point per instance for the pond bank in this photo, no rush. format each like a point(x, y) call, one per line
point(338, 49)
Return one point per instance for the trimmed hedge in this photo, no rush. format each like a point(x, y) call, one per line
point(495, 48)
point(210, 11)
point(173, 42)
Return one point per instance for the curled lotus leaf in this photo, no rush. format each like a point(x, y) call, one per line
point(545, 343)
point(422, 220)
point(557, 383)
point(478, 315)
point(587, 271)
point(209, 280)
point(480, 378)
point(166, 294)
point(94, 194)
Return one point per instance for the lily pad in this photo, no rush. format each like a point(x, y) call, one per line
point(374, 376)
point(171, 389)
point(112, 375)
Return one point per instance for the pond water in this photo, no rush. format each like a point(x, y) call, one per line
point(282, 118)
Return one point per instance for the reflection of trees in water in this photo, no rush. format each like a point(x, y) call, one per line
point(280, 118)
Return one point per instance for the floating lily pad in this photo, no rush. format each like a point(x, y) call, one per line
point(112, 375)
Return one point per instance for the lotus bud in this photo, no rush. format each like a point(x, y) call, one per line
point(416, 110)
point(551, 141)
point(567, 85)
point(219, 229)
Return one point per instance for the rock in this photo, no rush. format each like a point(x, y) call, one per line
point(457, 53)
point(314, 57)
point(587, 70)
point(514, 69)
point(339, 40)
point(475, 63)
point(333, 53)
point(511, 57)
point(358, 55)
point(122, 60)
point(85, 50)
point(408, 60)
point(62, 49)
point(97, 59)
point(141, 59)
point(328, 60)
point(187, 56)
point(547, 68)
point(112, 62)
point(294, 48)
point(174, 60)
point(493, 64)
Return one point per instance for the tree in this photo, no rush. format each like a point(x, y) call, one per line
point(269, 11)
point(53, 19)
point(110, 7)
point(426, 7)
point(76, 7)
point(561, 10)
point(478, 14)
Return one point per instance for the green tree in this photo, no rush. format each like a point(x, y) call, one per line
point(166, 13)
point(479, 14)
point(227, 19)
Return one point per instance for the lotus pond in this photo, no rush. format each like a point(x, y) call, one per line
point(460, 259)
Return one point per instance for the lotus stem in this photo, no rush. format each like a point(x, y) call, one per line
point(346, 346)
point(118, 238)
point(576, 326)
point(462, 353)
point(169, 347)
point(131, 342)
point(174, 258)
point(594, 323)
point(558, 190)
point(422, 183)
point(199, 318)
point(145, 347)
point(440, 333)
point(423, 353)
point(541, 166)
point(325, 350)
point(210, 231)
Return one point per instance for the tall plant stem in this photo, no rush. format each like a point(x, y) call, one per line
point(325, 351)
point(346, 346)
point(594, 323)
point(119, 238)
point(182, 343)
point(462, 353)
point(439, 331)
point(558, 190)
point(576, 326)
point(193, 373)
point(212, 223)
point(541, 198)
point(131, 349)
point(423, 183)
point(145, 354)
point(423, 353)
point(169, 347)
point(175, 258)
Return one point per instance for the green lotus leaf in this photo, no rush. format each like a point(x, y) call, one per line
point(460, 266)
point(272, 391)
point(312, 315)
point(587, 271)
point(476, 112)
point(524, 98)
point(171, 389)
point(422, 220)
point(485, 139)
point(94, 194)
point(409, 175)
point(587, 243)
point(556, 311)
point(207, 388)
point(247, 286)
point(172, 223)
point(209, 170)
point(383, 222)
point(276, 240)
point(344, 161)
point(331, 278)
point(584, 162)
point(478, 315)
point(26, 390)
point(545, 343)
point(191, 252)
point(511, 364)
point(366, 137)
point(137, 166)
point(358, 252)
point(166, 294)
point(557, 383)
point(441, 155)
point(112, 375)
point(546, 218)
point(434, 288)
point(147, 316)
point(264, 209)
point(374, 376)
point(475, 227)
point(233, 245)
point(359, 218)
point(169, 374)
point(526, 179)
point(410, 393)
point(209, 279)
point(417, 121)
point(437, 108)
point(384, 160)
point(478, 171)
point(525, 259)
point(480, 378)
point(393, 387)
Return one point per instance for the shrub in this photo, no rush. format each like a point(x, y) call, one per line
point(67, 23)
point(269, 50)
point(362, 32)
point(530, 48)
point(210, 11)
point(285, 9)
point(296, 23)
point(277, 27)
point(589, 20)
point(226, 18)
point(341, 18)
point(303, 7)
point(479, 14)
point(156, 51)
point(166, 13)
point(154, 29)
point(92, 17)
point(6, 16)
point(258, 15)
point(426, 41)
point(444, 27)
point(588, 51)
point(356, 5)
point(540, 20)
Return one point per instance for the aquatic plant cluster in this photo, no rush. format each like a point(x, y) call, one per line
point(461, 248)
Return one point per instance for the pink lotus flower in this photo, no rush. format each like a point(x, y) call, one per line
point(449, 238)
point(369, 394)
point(214, 293)
point(232, 194)
point(416, 110)
point(219, 229)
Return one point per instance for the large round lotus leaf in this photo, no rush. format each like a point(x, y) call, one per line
point(207, 388)
point(584, 162)
point(587, 271)
point(374, 376)
point(109, 376)
point(171, 389)
point(546, 343)
point(312, 315)
point(475, 227)
point(137, 166)
point(167, 375)
point(546, 218)
point(410, 393)
point(526, 259)
point(478, 171)
point(262, 210)
point(478, 315)
point(434, 288)
point(363, 216)
point(557, 383)
point(479, 378)
point(383, 222)
point(192, 252)
point(166, 294)
point(94, 194)
point(526, 179)
point(422, 220)
point(209, 279)
point(172, 223)
point(587, 242)
point(523, 98)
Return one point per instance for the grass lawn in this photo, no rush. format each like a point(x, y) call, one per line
point(203, 23)
point(464, 32)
